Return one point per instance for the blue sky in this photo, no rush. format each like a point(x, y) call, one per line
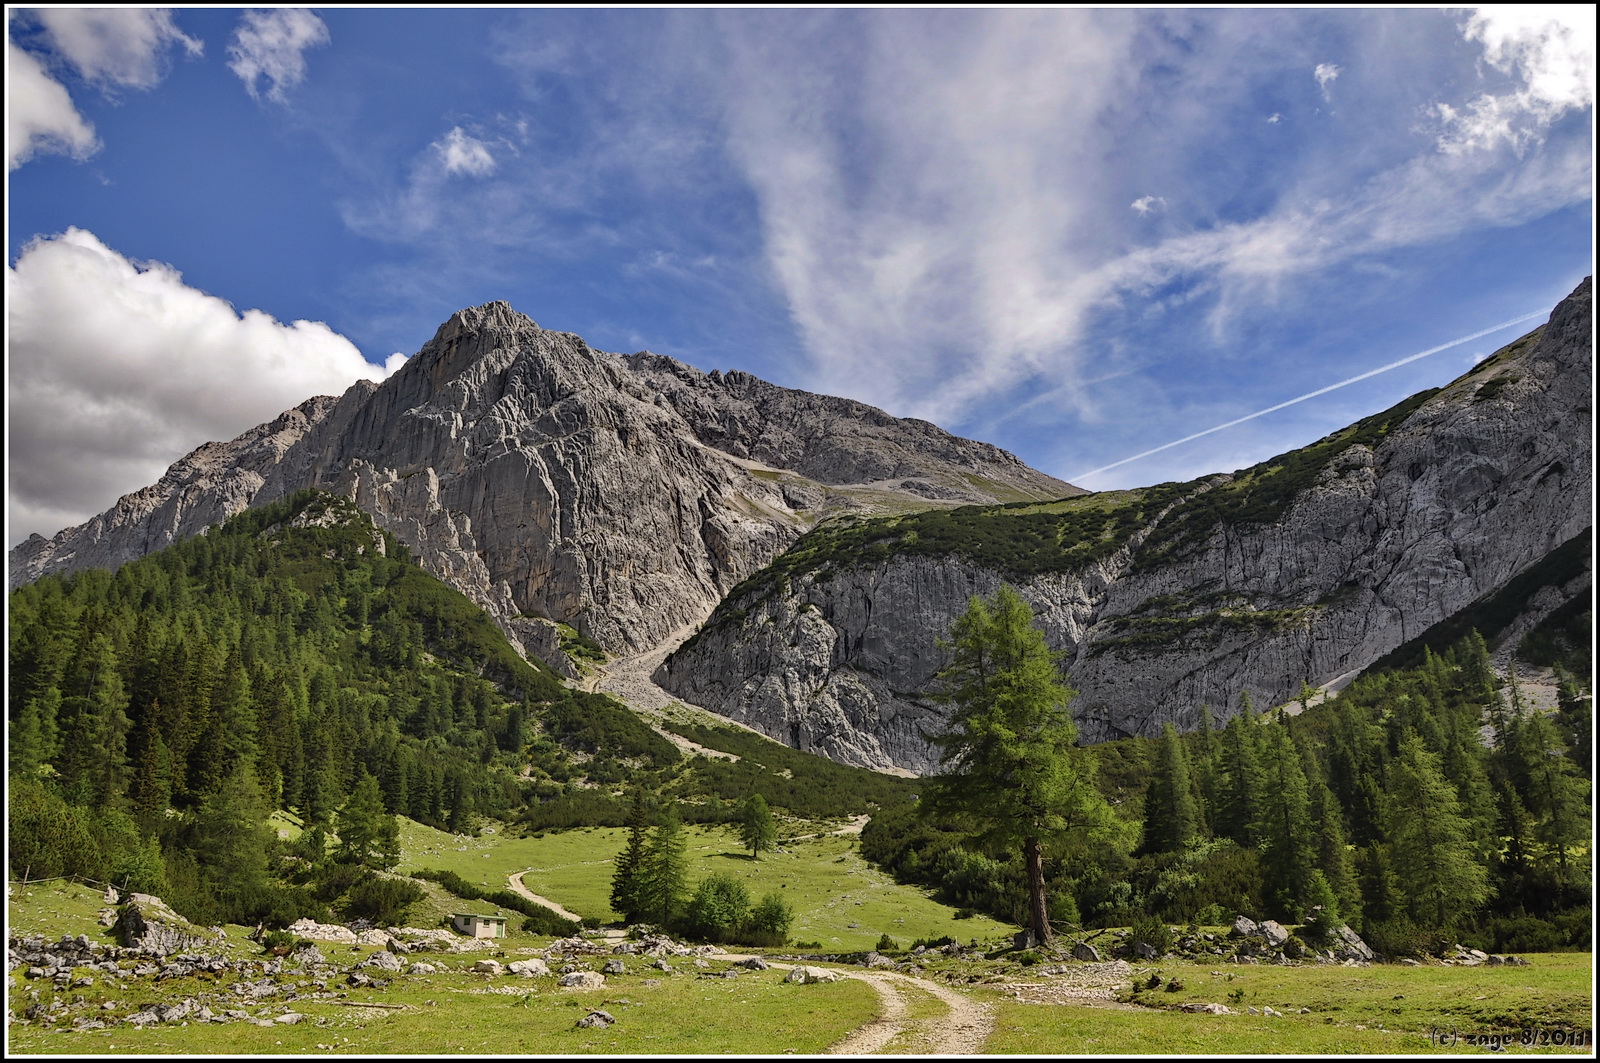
point(1077, 234)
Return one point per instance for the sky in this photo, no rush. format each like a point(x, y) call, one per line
point(1079, 234)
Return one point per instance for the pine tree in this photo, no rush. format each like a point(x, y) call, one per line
point(1013, 772)
point(1433, 862)
point(757, 829)
point(94, 724)
point(35, 738)
point(1169, 805)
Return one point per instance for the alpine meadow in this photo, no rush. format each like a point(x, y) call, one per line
point(517, 696)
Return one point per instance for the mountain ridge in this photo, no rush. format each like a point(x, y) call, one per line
point(1309, 566)
point(554, 483)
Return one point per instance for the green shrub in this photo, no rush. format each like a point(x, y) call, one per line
point(887, 944)
point(933, 943)
point(385, 901)
point(719, 908)
point(1152, 932)
point(1028, 958)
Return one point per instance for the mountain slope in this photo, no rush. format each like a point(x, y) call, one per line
point(550, 482)
point(1309, 566)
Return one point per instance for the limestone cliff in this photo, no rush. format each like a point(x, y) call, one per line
point(551, 482)
point(1307, 567)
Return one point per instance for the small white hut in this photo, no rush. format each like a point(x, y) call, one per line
point(479, 926)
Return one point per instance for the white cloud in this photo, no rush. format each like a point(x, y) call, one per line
point(1326, 74)
point(1548, 51)
point(1146, 204)
point(271, 44)
point(108, 47)
point(40, 117)
point(123, 46)
point(116, 369)
point(1274, 118)
point(464, 154)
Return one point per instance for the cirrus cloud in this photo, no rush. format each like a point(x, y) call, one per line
point(117, 368)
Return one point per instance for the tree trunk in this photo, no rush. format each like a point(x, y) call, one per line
point(1033, 856)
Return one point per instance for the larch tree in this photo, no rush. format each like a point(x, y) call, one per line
point(1429, 839)
point(757, 829)
point(1170, 814)
point(1012, 771)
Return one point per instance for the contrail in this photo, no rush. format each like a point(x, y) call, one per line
point(1311, 394)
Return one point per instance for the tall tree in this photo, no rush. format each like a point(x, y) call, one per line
point(1169, 805)
point(627, 878)
point(665, 882)
point(757, 828)
point(1429, 838)
point(368, 834)
point(1012, 771)
point(1284, 825)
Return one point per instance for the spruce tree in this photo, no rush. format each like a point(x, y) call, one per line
point(1169, 805)
point(1284, 826)
point(627, 877)
point(1240, 792)
point(1554, 791)
point(231, 835)
point(665, 882)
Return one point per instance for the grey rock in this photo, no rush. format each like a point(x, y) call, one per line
point(582, 980)
point(1208, 1009)
point(424, 968)
point(1453, 502)
point(1243, 926)
point(614, 967)
point(1273, 933)
point(383, 961)
point(149, 924)
point(597, 1018)
point(529, 968)
point(807, 975)
point(542, 478)
point(1145, 951)
point(754, 963)
point(288, 1018)
point(1353, 948)
point(487, 967)
point(1085, 952)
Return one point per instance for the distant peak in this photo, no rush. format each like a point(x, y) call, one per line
point(496, 314)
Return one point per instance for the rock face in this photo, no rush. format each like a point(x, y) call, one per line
point(1218, 588)
point(550, 482)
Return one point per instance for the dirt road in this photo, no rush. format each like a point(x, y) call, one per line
point(518, 887)
point(960, 1030)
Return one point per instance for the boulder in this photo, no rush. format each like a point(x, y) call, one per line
point(1352, 947)
point(614, 967)
point(310, 928)
point(487, 967)
point(1145, 951)
point(1272, 933)
point(149, 923)
point(1085, 952)
point(1244, 926)
point(754, 963)
point(1208, 1009)
point(596, 1018)
point(583, 980)
point(810, 975)
point(422, 968)
point(529, 968)
point(384, 961)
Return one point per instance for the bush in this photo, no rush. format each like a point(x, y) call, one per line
point(1028, 958)
point(769, 921)
point(719, 908)
point(281, 942)
point(888, 944)
point(385, 901)
point(933, 943)
point(1152, 932)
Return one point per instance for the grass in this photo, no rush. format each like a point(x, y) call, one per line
point(824, 880)
point(1377, 1009)
point(457, 1012)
